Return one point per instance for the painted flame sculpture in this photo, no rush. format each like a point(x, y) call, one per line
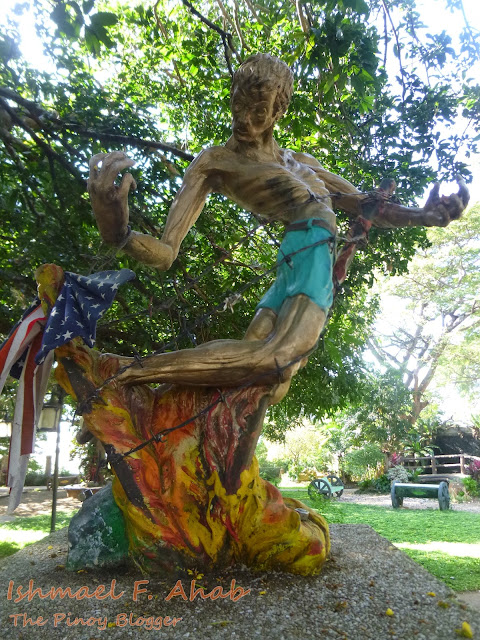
point(196, 499)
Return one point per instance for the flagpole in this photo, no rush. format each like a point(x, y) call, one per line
point(58, 418)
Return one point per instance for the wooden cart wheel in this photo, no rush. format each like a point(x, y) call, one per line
point(396, 500)
point(313, 489)
point(319, 486)
point(336, 482)
point(443, 496)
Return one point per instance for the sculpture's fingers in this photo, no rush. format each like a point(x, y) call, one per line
point(94, 169)
point(463, 192)
point(453, 205)
point(96, 160)
point(433, 197)
point(128, 182)
point(113, 164)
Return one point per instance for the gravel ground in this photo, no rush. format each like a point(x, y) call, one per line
point(365, 576)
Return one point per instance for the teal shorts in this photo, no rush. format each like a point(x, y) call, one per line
point(307, 271)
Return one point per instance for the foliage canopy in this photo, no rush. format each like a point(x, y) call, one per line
point(153, 79)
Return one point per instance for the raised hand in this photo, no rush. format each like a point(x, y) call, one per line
point(110, 201)
point(447, 208)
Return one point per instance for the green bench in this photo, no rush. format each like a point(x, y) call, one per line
point(401, 490)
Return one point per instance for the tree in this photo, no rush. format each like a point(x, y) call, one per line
point(154, 79)
point(437, 337)
point(381, 418)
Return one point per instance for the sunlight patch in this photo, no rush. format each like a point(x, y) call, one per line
point(21, 537)
point(460, 549)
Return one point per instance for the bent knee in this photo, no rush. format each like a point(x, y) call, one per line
point(281, 354)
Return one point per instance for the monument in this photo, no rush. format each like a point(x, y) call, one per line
point(186, 479)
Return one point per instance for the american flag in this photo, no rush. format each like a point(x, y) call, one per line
point(17, 357)
point(81, 303)
point(27, 354)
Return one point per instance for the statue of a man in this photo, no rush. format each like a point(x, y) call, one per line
point(278, 184)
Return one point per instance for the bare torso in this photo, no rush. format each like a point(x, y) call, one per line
point(287, 190)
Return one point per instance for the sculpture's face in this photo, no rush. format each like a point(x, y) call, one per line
point(253, 114)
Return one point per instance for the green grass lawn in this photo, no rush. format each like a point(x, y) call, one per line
point(20, 532)
point(446, 543)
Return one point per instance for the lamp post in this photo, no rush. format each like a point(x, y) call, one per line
point(50, 421)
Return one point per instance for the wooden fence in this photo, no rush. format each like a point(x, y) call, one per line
point(448, 463)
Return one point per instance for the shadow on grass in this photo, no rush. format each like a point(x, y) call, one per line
point(37, 523)
point(460, 574)
point(8, 548)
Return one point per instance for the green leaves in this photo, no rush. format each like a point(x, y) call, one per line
point(74, 23)
point(69, 19)
point(103, 19)
point(97, 33)
point(360, 6)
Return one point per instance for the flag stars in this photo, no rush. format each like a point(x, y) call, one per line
point(81, 303)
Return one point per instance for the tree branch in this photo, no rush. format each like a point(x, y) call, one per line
point(402, 70)
point(132, 140)
point(162, 28)
point(254, 13)
point(37, 111)
point(238, 27)
point(469, 29)
point(42, 144)
point(227, 38)
point(301, 17)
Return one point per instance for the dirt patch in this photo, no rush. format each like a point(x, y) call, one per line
point(39, 502)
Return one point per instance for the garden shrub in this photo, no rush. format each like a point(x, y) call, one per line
point(375, 485)
point(471, 487)
point(35, 479)
point(473, 470)
point(413, 474)
point(397, 474)
point(364, 463)
point(270, 472)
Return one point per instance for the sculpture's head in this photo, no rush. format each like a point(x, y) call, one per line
point(261, 90)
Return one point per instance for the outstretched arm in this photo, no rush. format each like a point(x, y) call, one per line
point(438, 211)
point(110, 206)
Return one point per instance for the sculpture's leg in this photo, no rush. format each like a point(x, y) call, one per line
point(202, 502)
point(262, 325)
point(236, 362)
